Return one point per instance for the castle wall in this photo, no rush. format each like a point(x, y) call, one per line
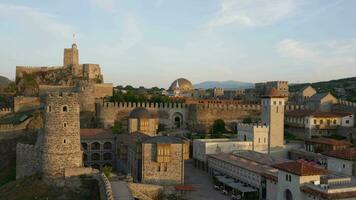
point(22, 103)
point(103, 90)
point(108, 113)
point(44, 89)
point(27, 160)
point(22, 70)
point(201, 117)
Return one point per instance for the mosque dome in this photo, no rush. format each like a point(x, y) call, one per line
point(181, 84)
point(140, 113)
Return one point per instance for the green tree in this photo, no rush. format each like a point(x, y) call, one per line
point(107, 171)
point(117, 128)
point(218, 127)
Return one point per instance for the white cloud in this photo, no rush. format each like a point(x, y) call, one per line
point(292, 48)
point(252, 12)
point(327, 59)
point(104, 4)
point(36, 21)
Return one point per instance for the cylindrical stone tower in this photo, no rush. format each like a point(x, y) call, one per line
point(61, 135)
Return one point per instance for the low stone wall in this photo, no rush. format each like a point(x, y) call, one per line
point(145, 191)
point(27, 160)
point(104, 186)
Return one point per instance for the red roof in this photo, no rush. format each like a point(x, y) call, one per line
point(184, 188)
point(304, 113)
point(300, 168)
point(329, 141)
point(95, 132)
point(346, 154)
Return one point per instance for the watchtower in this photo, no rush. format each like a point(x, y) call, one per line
point(60, 143)
point(273, 116)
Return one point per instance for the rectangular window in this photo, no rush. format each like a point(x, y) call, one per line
point(347, 121)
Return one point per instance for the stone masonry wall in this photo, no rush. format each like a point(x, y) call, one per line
point(22, 103)
point(27, 160)
point(175, 167)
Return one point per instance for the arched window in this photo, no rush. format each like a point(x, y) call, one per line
point(107, 146)
point(244, 137)
point(95, 146)
point(107, 156)
point(95, 156)
point(65, 108)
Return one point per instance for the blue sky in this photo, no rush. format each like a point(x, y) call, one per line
point(153, 42)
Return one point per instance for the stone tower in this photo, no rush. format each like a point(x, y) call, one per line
point(273, 116)
point(71, 56)
point(60, 139)
point(71, 59)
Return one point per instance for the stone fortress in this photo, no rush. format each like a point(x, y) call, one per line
point(72, 101)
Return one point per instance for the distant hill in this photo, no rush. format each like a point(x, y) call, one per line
point(4, 81)
point(342, 88)
point(224, 85)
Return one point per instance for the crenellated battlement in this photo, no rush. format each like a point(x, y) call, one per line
point(5, 111)
point(346, 103)
point(253, 126)
point(132, 105)
point(256, 107)
point(6, 126)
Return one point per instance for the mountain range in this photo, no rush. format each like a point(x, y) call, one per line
point(224, 84)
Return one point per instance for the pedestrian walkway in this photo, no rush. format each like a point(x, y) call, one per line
point(121, 191)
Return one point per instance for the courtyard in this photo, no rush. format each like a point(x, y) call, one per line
point(202, 183)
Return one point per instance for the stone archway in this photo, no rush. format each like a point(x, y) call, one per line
point(177, 120)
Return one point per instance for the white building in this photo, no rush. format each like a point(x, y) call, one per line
point(342, 161)
point(204, 147)
point(299, 181)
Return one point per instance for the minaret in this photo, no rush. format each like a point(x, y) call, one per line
point(60, 141)
point(273, 116)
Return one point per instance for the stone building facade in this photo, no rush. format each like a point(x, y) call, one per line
point(99, 147)
point(163, 161)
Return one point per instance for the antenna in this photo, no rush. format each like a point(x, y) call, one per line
point(74, 40)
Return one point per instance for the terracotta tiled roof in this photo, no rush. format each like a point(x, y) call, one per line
point(304, 113)
point(96, 133)
point(300, 168)
point(346, 154)
point(329, 141)
point(324, 195)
